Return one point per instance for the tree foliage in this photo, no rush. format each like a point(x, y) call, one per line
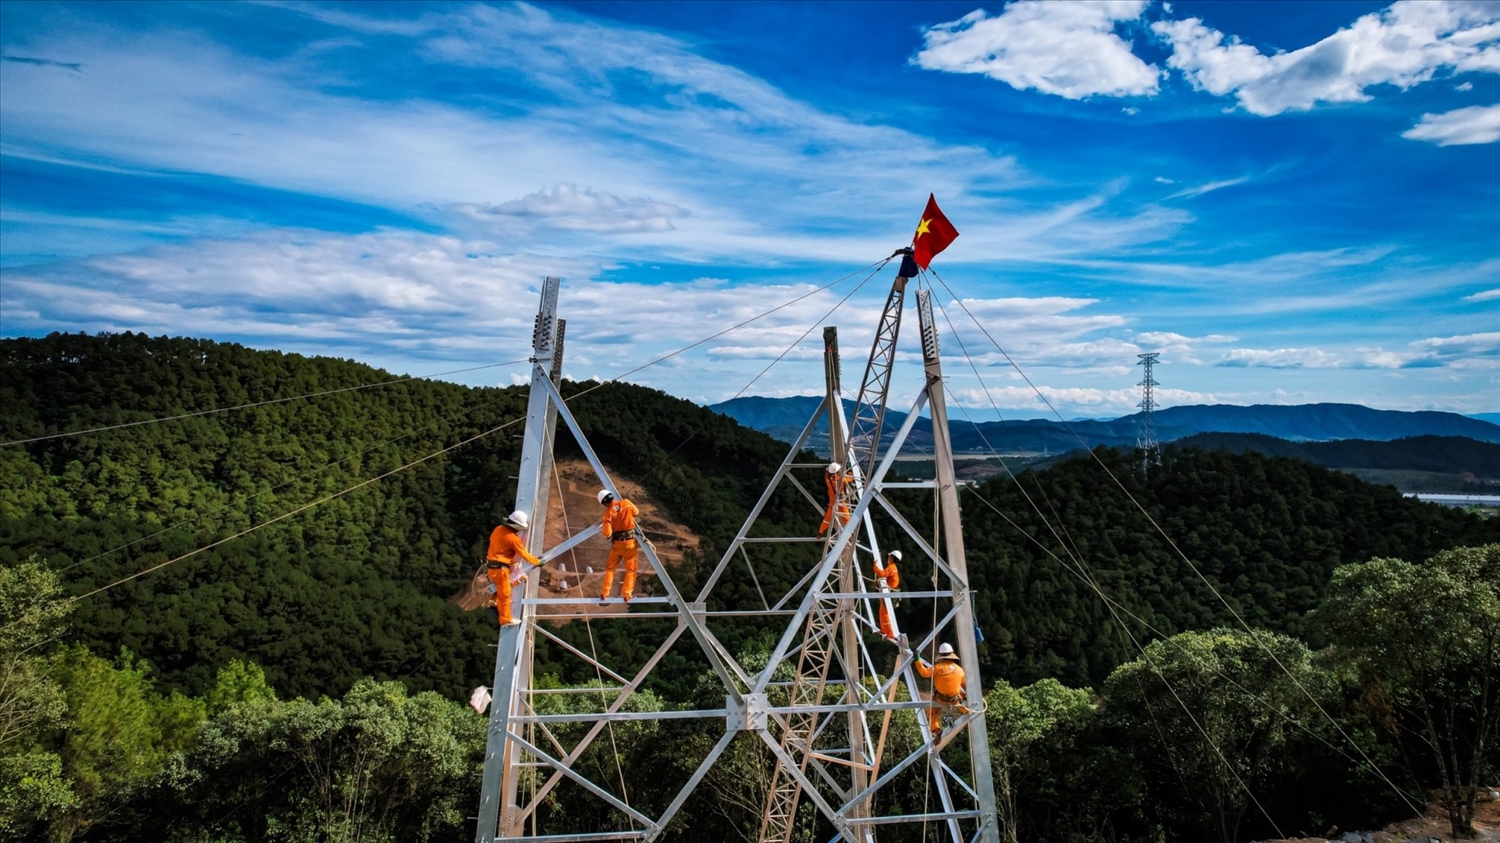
point(1425, 639)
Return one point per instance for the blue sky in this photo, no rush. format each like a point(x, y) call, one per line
point(1292, 202)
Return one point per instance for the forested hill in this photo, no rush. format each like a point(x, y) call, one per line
point(356, 585)
point(1441, 454)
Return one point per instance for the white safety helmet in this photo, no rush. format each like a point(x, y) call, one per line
point(945, 651)
point(834, 468)
point(896, 555)
point(519, 519)
point(604, 495)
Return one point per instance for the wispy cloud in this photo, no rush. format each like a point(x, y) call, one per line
point(1486, 295)
point(1475, 124)
point(1461, 350)
point(74, 66)
point(1067, 49)
point(570, 208)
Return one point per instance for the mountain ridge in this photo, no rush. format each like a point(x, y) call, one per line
point(1319, 422)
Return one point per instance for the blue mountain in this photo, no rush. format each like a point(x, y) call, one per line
point(785, 417)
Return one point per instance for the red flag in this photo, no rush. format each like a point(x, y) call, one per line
point(934, 234)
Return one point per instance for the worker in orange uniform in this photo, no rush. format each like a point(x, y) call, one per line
point(837, 481)
point(887, 577)
point(947, 687)
point(505, 545)
point(618, 525)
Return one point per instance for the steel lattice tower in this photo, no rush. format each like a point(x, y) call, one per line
point(1147, 442)
point(819, 706)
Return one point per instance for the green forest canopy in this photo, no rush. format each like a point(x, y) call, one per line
point(357, 586)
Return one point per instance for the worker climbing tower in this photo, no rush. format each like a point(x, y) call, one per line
point(820, 708)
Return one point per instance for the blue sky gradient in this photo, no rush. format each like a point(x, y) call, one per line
point(1292, 202)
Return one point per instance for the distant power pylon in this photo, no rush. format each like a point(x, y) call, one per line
point(1150, 448)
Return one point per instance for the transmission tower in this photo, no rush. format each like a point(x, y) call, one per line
point(1150, 448)
point(818, 707)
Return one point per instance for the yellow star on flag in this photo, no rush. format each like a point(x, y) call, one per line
point(922, 227)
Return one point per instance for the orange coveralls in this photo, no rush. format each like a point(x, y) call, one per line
point(892, 578)
point(947, 689)
point(618, 525)
point(505, 546)
point(838, 485)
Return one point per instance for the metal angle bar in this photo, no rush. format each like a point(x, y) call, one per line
point(837, 707)
point(697, 777)
point(834, 759)
point(917, 649)
point(805, 493)
point(831, 560)
point(491, 796)
point(591, 716)
point(782, 540)
point(578, 838)
point(543, 692)
point(792, 592)
point(765, 498)
point(662, 575)
point(582, 655)
point(877, 595)
point(615, 705)
point(922, 544)
point(571, 542)
point(907, 484)
point(886, 777)
point(953, 542)
point(571, 601)
point(945, 797)
point(807, 786)
point(915, 818)
point(749, 566)
point(957, 778)
point(744, 613)
point(598, 791)
point(617, 616)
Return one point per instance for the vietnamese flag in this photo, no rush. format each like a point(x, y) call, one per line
point(934, 234)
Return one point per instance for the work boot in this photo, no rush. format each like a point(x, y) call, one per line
point(627, 598)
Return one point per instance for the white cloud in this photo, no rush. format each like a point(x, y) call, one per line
point(1464, 86)
point(405, 300)
point(1071, 401)
point(1486, 343)
point(568, 208)
point(693, 134)
point(1462, 351)
point(1403, 45)
point(1168, 338)
point(1067, 49)
point(1280, 358)
point(1475, 124)
point(1485, 295)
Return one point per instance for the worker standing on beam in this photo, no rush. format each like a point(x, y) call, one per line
point(618, 525)
point(505, 546)
point(889, 580)
point(837, 480)
point(947, 687)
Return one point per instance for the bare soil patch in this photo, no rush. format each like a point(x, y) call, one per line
point(579, 573)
